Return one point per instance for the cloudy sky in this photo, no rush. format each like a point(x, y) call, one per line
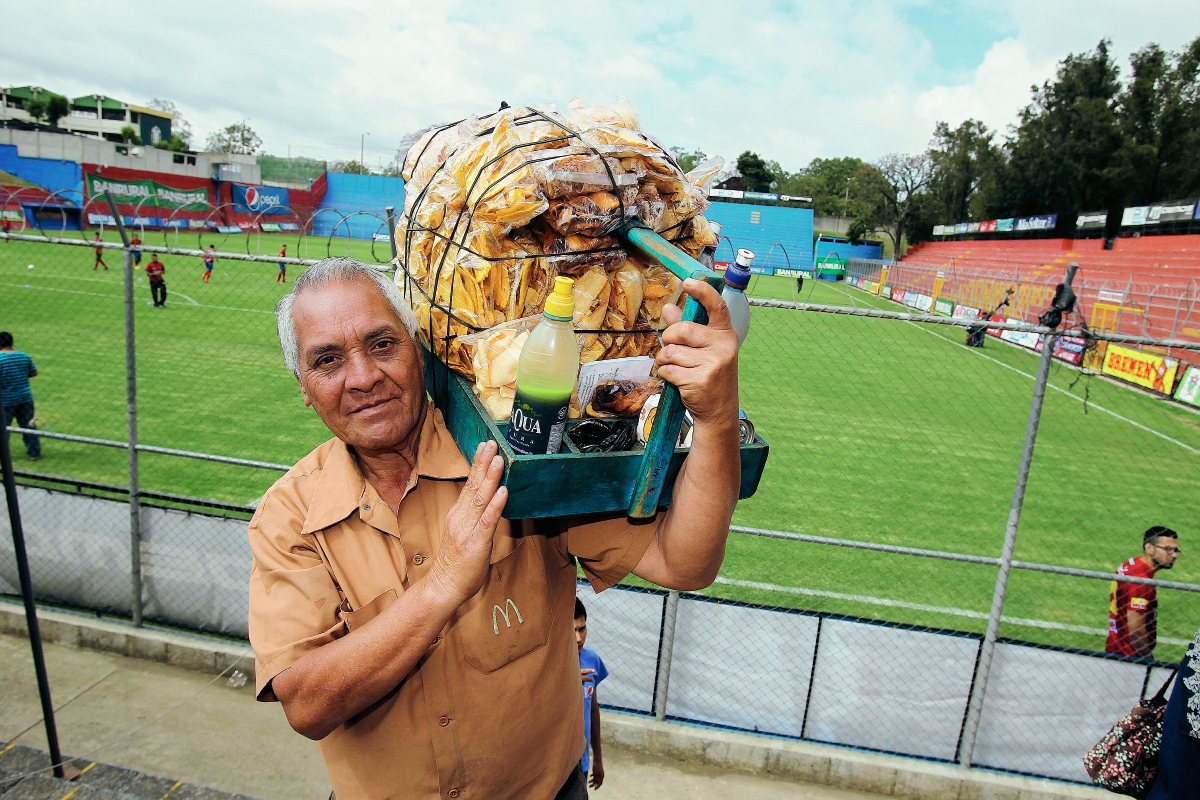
point(790, 80)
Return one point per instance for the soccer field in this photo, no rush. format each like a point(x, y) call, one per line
point(879, 430)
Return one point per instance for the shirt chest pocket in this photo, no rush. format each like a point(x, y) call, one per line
point(510, 616)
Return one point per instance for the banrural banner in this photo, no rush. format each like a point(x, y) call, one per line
point(273, 227)
point(10, 215)
point(146, 192)
point(1189, 388)
point(792, 273)
point(1155, 372)
point(257, 199)
point(944, 307)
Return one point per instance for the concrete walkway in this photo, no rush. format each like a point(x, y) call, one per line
point(182, 725)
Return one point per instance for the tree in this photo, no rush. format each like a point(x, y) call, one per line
point(130, 136)
point(48, 107)
point(965, 162)
point(351, 167)
point(826, 180)
point(756, 174)
point(236, 138)
point(891, 195)
point(1061, 156)
point(36, 107)
point(180, 128)
point(688, 159)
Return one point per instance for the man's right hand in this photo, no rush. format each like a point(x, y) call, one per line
point(461, 565)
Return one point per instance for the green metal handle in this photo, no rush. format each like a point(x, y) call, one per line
point(660, 445)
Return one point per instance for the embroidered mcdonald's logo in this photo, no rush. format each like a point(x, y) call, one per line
point(504, 613)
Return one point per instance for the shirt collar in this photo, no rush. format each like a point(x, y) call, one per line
point(341, 487)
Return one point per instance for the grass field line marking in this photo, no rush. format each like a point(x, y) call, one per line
point(121, 297)
point(958, 612)
point(1060, 390)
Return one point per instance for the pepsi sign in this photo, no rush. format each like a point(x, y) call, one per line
point(260, 199)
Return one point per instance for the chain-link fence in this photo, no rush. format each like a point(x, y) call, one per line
point(887, 587)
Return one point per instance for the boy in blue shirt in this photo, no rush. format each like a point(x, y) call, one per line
point(592, 670)
point(16, 368)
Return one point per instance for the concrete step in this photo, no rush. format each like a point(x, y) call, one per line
point(25, 775)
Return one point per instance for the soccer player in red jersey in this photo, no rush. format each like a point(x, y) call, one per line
point(158, 286)
point(282, 277)
point(1133, 607)
point(99, 254)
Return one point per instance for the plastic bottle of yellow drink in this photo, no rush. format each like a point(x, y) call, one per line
point(546, 375)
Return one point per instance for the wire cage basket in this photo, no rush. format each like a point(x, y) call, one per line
point(495, 208)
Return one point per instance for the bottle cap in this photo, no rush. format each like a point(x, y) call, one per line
point(561, 302)
point(737, 274)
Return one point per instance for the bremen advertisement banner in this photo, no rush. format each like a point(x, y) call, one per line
point(259, 199)
point(1145, 369)
point(147, 193)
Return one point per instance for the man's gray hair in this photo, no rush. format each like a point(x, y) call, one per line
point(338, 268)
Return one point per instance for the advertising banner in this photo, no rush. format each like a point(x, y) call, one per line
point(1189, 388)
point(886, 292)
point(101, 219)
point(972, 227)
point(175, 223)
point(288, 226)
point(1022, 338)
point(939, 230)
point(922, 302)
point(965, 312)
point(257, 199)
point(898, 296)
point(1004, 225)
point(11, 215)
point(792, 273)
point(1042, 222)
point(198, 223)
point(273, 227)
point(732, 194)
point(995, 318)
point(960, 227)
point(795, 198)
point(148, 193)
point(1091, 219)
point(760, 196)
point(754, 270)
point(1145, 369)
point(229, 229)
point(1070, 349)
point(1174, 211)
point(944, 307)
point(987, 226)
point(1135, 215)
point(140, 222)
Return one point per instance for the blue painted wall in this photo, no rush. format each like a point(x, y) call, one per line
point(350, 193)
point(47, 173)
point(841, 246)
point(791, 227)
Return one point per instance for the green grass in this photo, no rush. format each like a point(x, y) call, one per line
point(879, 430)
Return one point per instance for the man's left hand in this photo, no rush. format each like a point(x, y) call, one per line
point(597, 774)
point(701, 360)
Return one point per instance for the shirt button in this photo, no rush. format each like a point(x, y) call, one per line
point(418, 559)
point(453, 792)
point(367, 507)
point(443, 721)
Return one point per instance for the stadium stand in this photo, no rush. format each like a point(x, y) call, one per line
point(768, 231)
point(361, 198)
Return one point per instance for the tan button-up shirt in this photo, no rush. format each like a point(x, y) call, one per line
point(494, 709)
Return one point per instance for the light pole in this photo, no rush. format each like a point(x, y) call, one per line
point(362, 140)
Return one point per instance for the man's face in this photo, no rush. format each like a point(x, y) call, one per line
point(359, 369)
point(580, 632)
point(1162, 551)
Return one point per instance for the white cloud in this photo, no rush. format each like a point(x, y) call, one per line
point(791, 81)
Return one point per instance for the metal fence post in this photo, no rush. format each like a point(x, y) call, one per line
point(135, 516)
point(665, 646)
point(31, 620)
point(390, 212)
point(988, 650)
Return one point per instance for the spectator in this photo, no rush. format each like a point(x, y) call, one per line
point(16, 368)
point(1133, 607)
point(210, 256)
point(99, 254)
point(7, 223)
point(136, 241)
point(158, 286)
point(282, 276)
point(592, 669)
point(1178, 775)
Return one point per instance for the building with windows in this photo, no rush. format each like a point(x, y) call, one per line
point(94, 114)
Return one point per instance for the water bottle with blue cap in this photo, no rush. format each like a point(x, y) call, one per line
point(737, 277)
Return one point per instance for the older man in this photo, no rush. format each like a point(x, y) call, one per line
point(422, 639)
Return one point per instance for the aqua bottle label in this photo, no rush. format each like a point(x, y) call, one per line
point(536, 426)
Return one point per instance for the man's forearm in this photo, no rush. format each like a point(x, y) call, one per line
point(688, 547)
point(329, 685)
